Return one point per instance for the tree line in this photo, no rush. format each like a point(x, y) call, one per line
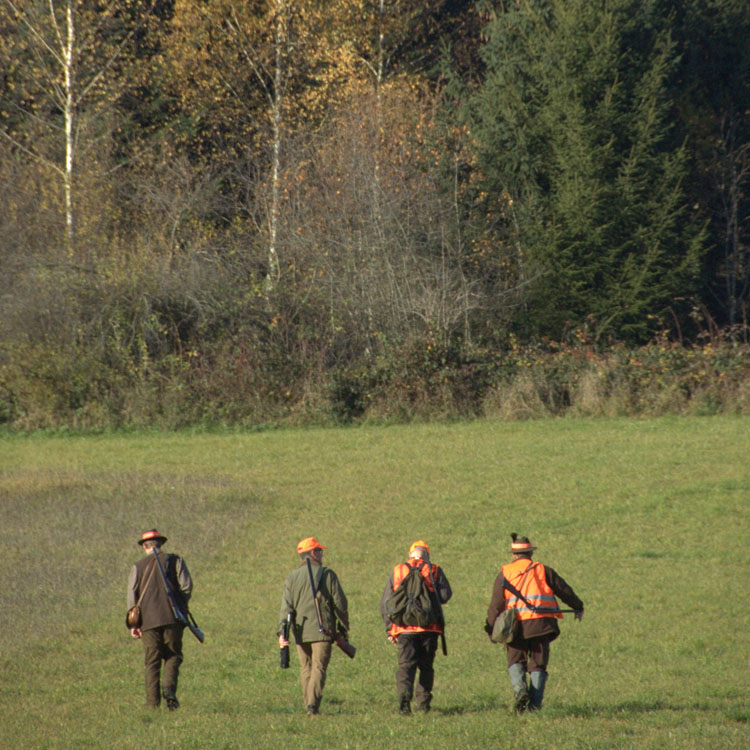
point(277, 201)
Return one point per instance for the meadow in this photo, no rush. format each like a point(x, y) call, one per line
point(647, 519)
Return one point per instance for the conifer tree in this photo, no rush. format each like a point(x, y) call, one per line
point(571, 124)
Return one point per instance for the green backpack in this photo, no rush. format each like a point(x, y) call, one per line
point(411, 604)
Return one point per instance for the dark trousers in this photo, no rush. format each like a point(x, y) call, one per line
point(533, 653)
point(162, 644)
point(416, 651)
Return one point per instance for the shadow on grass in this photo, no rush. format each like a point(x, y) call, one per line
point(473, 707)
point(588, 710)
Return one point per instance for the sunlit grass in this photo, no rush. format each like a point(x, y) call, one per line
point(648, 520)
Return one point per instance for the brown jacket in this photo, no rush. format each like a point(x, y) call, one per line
point(155, 607)
point(544, 625)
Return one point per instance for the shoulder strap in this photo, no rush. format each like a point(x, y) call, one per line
point(152, 568)
point(517, 591)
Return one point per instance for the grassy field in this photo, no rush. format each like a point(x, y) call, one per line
point(647, 520)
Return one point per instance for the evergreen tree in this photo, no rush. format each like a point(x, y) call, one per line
point(713, 95)
point(571, 124)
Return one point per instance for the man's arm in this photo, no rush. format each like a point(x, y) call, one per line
point(133, 597)
point(132, 592)
point(562, 590)
point(387, 591)
point(184, 580)
point(443, 587)
point(339, 601)
point(287, 605)
point(497, 603)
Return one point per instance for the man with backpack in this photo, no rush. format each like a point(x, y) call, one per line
point(412, 612)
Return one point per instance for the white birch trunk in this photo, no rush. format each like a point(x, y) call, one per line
point(69, 62)
point(276, 114)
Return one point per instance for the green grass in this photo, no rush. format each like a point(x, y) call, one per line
point(648, 520)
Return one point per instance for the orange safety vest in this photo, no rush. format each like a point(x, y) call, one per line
point(399, 573)
point(535, 589)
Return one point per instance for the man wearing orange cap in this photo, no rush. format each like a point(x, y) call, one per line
point(417, 646)
point(528, 653)
point(160, 632)
point(313, 642)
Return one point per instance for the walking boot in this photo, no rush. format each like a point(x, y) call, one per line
point(404, 707)
point(172, 703)
point(423, 705)
point(517, 673)
point(536, 690)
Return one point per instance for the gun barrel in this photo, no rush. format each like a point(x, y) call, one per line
point(340, 641)
point(179, 615)
point(284, 656)
point(349, 649)
point(315, 597)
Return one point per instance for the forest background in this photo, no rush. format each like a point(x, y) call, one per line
point(272, 212)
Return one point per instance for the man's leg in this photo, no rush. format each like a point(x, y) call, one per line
point(427, 649)
point(538, 660)
point(406, 671)
point(516, 655)
point(304, 652)
point(172, 655)
point(152, 649)
point(320, 656)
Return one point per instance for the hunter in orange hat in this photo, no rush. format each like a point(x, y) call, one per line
point(309, 544)
point(412, 611)
point(314, 640)
point(156, 625)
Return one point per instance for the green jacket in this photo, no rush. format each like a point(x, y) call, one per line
point(297, 598)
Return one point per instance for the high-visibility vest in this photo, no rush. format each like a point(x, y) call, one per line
point(535, 589)
point(399, 573)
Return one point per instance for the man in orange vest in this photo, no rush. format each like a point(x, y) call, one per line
point(417, 646)
point(529, 652)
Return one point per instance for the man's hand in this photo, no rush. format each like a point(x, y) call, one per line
point(136, 632)
point(392, 639)
point(283, 641)
point(579, 615)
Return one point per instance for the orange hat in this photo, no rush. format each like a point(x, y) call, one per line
point(520, 544)
point(152, 535)
point(418, 543)
point(309, 544)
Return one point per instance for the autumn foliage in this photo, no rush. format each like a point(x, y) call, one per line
point(251, 212)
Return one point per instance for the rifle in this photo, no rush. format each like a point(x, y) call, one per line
point(338, 639)
point(441, 616)
point(285, 634)
point(183, 617)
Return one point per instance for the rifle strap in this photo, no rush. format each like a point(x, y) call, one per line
point(517, 591)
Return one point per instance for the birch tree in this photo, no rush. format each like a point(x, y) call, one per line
point(253, 74)
point(72, 54)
